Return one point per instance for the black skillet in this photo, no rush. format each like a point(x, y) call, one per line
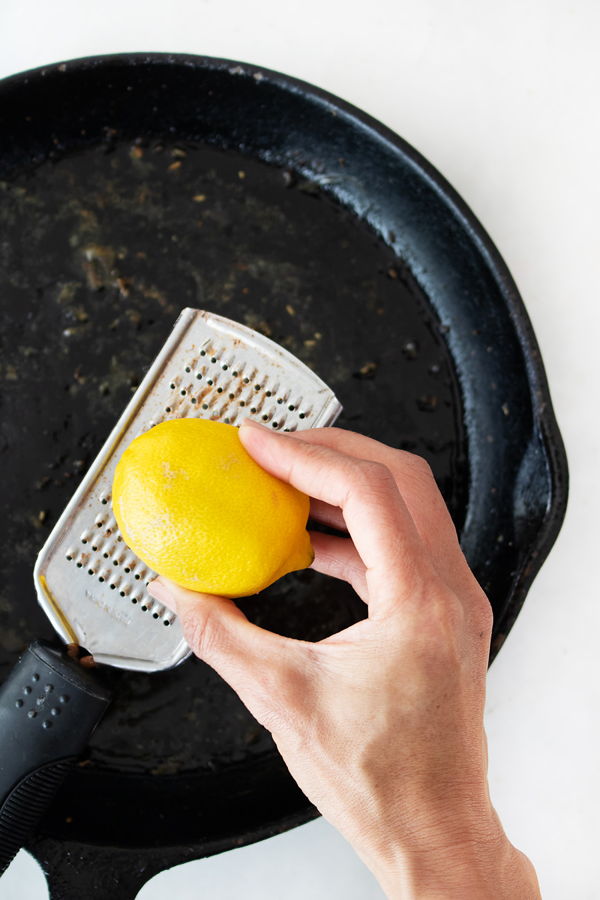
point(132, 186)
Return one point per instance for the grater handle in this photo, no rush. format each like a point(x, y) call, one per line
point(49, 707)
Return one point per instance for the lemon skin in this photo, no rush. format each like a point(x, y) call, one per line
point(195, 507)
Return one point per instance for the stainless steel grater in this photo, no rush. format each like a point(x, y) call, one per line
point(91, 586)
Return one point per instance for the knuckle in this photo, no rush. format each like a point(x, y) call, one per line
point(412, 464)
point(376, 475)
point(448, 614)
point(305, 452)
point(443, 621)
point(421, 468)
point(201, 629)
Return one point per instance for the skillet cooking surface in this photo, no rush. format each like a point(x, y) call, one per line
point(132, 187)
point(105, 246)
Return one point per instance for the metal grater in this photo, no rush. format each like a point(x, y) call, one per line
point(90, 584)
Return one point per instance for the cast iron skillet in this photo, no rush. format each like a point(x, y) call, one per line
point(131, 186)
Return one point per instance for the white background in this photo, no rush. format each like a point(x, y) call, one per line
point(504, 99)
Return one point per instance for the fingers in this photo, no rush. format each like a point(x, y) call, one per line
point(256, 663)
point(338, 557)
point(374, 512)
point(417, 487)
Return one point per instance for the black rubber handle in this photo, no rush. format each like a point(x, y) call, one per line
point(49, 707)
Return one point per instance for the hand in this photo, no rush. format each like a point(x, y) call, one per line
point(381, 725)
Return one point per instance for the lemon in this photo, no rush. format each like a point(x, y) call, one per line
point(195, 507)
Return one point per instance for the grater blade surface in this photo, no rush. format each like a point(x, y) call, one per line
point(91, 586)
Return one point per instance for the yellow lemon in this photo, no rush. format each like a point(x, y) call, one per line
point(195, 507)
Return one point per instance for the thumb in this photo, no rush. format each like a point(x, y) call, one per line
point(260, 666)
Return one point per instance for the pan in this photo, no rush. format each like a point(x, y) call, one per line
point(134, 185)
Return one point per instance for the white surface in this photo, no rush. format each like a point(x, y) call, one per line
point(503, 99)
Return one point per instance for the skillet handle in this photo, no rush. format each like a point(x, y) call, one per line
point(49, 707)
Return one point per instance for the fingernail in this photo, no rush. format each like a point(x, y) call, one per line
point(161, 592)
point(252, 423)
point(258, 426)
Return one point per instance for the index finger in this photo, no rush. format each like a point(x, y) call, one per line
point(375, 514)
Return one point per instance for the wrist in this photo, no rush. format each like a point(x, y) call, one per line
point(466, 865)
point(465, 872)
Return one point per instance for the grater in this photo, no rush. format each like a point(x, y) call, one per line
point(90, 584)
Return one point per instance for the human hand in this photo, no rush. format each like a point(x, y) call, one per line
point(381, 725)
